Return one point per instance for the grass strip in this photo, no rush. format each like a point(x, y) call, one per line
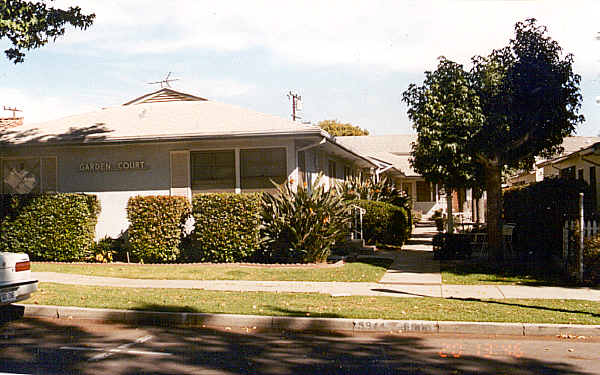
point(320, 305)
point(476, 273)
point(363, 270)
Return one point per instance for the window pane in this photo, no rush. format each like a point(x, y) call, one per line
point(213, 170)
point(423, 191)
point(259, 166)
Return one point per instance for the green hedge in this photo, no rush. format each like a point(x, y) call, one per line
point(226, 227)
point(385, 223)
point(53, 227)
point(540, 210)
point(156, 227)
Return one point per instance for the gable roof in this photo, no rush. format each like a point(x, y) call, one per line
point(393, 149)
point(571, 145)
point(154, 120)
point(164, 95)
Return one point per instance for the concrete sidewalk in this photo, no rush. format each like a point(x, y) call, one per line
point(334, 288)
point(415, 263)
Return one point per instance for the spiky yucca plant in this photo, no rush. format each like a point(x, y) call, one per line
point(302, 225)
point(368, 189)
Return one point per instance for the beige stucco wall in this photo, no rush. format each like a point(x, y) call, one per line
point(114, 188)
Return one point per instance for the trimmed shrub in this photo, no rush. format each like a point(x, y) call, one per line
point(302, 225)
point(591, 260)
point(53, 227)
point(540, 210)
point(226, 227)
point(385, 223)
point(448, 246)
point(156, 227)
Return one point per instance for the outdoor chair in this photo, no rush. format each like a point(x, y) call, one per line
point(507, 235)
point(479, 244)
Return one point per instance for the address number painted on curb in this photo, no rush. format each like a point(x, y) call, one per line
point(386, 325)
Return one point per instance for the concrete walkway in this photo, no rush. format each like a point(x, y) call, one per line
point(415, 263)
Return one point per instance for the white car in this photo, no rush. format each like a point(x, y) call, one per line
point(16, 283)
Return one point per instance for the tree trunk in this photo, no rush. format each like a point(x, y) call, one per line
point(494, 211)
point(449, 210)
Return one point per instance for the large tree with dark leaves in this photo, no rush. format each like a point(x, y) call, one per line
point(29, 25)
point(528, 98)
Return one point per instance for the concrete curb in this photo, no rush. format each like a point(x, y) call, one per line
point(305, 324)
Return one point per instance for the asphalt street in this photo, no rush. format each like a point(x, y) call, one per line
point(61, 346)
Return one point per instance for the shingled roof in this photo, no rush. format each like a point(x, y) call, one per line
point(393, 149)
point(163, 115)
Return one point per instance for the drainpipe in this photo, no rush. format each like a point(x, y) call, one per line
point(312, 145)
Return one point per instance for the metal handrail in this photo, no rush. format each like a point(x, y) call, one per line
point(357, 230)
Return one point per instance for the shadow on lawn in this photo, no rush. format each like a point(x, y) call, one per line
point(497, 302)
point(34, 346)
point(518, 273)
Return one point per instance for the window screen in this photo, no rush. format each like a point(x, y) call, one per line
point(213, 170)
point(259, 166)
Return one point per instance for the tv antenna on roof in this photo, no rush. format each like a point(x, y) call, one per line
point(164, 82)
point(14, 110)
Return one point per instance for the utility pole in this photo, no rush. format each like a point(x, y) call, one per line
point(296, 104)
point(13, 110)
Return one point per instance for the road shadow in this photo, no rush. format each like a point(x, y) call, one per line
point(33, 346)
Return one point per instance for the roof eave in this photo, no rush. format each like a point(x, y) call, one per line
point(170, 138)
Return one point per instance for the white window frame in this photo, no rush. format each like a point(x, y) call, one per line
point(238, 167)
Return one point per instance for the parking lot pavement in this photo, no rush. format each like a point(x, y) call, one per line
point(52, 346)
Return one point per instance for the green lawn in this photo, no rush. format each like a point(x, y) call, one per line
point(319, 305)
point(473, 273)
point(364, 270)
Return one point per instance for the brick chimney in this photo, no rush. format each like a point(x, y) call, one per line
point(10, 122)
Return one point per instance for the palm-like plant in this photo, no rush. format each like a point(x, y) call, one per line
point(369, 189)
point(302, 225)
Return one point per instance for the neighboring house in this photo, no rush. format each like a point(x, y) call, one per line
point(583, 164)
point(543, 167)
point(168, 143)
point(392, 154)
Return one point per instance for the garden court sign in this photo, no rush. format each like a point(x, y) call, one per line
point(106, 166)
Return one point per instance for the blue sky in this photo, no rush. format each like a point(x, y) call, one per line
point(349, 60)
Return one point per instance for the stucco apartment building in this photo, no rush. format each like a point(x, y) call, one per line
point(168, 143)
point(392, 154)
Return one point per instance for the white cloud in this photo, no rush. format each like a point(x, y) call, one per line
point(393, 35)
